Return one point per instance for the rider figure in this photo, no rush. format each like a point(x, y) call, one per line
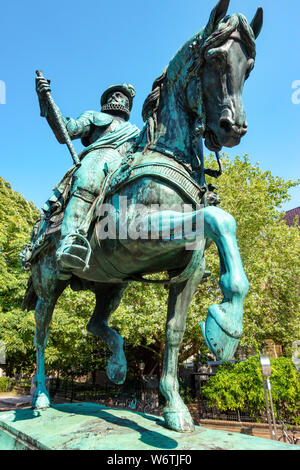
point(108, 136)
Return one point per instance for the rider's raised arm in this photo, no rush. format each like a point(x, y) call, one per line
point(83, 126)
point(77, 128)
point(80, 127)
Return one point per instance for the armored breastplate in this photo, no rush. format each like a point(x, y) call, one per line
point(99, 132)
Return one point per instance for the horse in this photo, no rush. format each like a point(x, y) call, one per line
point(198, 97)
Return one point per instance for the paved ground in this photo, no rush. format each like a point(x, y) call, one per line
point(88, 426)
point(9, 401)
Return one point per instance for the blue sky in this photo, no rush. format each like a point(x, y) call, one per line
point(86, 46)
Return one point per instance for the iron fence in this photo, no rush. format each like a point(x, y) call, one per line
point(212, 412)
point(144, 390)
point(71, 390)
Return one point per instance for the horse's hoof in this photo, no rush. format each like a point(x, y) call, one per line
point(40, 401)
point(221, 343)
point(180, 421)
point(116, 372)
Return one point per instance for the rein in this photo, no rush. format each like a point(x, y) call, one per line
point(149, 113)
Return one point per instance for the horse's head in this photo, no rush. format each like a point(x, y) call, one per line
point(224, 54)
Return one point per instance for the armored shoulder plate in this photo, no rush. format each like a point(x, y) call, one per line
point(100, 119)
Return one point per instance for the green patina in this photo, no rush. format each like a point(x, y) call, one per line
point(87, 426)
point(198, 96)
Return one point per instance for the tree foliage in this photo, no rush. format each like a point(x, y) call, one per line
point(239, 387)
point(17, 217)
point(270, 251)
point(270, 254)
point(68, 344)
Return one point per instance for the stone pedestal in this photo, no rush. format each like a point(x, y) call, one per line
point(88, 426)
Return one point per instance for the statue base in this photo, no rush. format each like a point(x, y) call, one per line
point(88, 426)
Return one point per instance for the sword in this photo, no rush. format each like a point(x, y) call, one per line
point(60, 124)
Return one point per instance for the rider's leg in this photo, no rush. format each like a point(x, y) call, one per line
point(86, 185)
point(73, 250)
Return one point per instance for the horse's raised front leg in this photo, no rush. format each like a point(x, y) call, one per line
point(108, 298)
point(224, 323)
point(176, 414)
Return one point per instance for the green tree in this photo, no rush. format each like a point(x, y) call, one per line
point(270, 254)
point(270, 251)
point(17, 217)
point(68, 344)
point(239, 387)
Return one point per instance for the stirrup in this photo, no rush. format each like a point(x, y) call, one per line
point(75, 260)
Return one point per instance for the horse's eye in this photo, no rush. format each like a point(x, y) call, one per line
point(216, 56)
point(217, 60)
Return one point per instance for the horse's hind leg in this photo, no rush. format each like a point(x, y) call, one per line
point(43, 315)
point(176, 414)
point(108, 297)
point(47, 289)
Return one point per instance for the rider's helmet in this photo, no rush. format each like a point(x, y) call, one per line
point(127, 90)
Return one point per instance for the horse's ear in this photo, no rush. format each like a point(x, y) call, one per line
point(216, 15)
point(257, 22)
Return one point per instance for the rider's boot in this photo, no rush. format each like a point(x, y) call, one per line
point(74, 250)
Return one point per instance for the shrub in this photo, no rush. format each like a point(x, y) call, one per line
point(5, 383)
point(239, 387)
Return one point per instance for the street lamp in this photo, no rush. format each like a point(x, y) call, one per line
point(296, 354)
point(2, 353)
point(266, 373)
point(72, 382)
point(142, 368)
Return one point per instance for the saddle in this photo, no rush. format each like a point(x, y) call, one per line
point(131, 169)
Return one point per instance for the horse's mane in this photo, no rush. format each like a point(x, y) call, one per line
point(151, 103)
point(201, 42)
point(150, 107)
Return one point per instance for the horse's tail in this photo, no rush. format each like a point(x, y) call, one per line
point(30, 297)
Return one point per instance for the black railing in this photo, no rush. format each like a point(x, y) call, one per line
point(77, 391)
point(142, 390)
point(208, 412)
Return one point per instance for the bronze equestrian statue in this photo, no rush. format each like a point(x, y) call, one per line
point(198, 96)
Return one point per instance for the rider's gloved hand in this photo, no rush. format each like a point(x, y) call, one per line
point(42, 86)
